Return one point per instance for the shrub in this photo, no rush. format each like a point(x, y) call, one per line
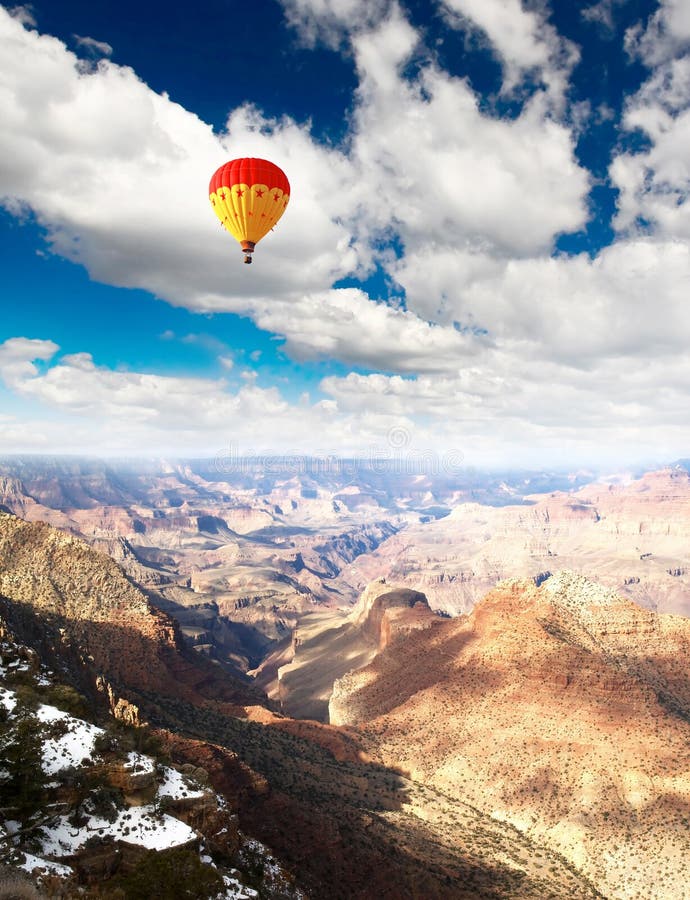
point(66, 698)
point(174, 874)
point(105, 802)
point(16, 886)
point(21, 757)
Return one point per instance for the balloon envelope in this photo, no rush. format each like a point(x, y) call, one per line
point(249, 196)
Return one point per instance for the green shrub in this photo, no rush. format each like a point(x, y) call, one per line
point(174, 874)
point(66, 698)
point(21, 757)
point(104, 801)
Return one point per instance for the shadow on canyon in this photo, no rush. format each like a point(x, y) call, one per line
point(348, 827)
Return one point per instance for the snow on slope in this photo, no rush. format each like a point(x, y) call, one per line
point(73, 747)
point(139, 825)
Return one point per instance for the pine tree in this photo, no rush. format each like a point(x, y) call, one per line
point(22, 787)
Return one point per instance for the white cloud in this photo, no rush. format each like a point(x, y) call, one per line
point(93, 47)
point(99, 156)
point(628, 301)
point(654, 183)
point(119, 176)
point(520, 411)
point(18, 356)
point(666, 33)
point(522, 39)
point(80, 406)
point(603, 14)
point(344, 324)
point(501, 346)
point(332, 21)
point(23, 14)
point(443, 173)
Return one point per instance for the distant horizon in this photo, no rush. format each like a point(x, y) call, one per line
point(301, 463)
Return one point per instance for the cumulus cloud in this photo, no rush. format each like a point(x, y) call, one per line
point(87, 407)
point(333, 21)
point(18, 358)
point(654, 183)
point(521, 38)
point(498, 342)
point(118, 175)
point(665, 34)
point(448, 175)
point(23, 14)
point(627, 301)
point(98, 155)
point(345, 324)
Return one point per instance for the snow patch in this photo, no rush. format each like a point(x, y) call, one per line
point(35, 862)
point(139, 764)
point(235, 890)
point(71, 748)
point(175, 785)
point(8, 699)
point(139, 825)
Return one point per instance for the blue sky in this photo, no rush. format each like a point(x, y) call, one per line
point(486, 251)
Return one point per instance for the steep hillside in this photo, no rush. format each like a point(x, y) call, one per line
point(78, 606)
point(99, 811)
point(562, 709)
point(348, 828)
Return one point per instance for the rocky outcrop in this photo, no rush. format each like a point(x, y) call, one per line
point(563, 709)
point(80, 609)
point(382, 609)
point(327, 644)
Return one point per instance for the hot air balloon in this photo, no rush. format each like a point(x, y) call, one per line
point(249, 196)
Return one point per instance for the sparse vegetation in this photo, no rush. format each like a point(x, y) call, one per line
point(175, 874)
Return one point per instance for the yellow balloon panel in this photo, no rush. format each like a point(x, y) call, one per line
point(249, 212)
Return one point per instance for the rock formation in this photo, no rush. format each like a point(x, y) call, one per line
point(632, 536)
point(78, 606)
point(562, 709)
point(327, 644)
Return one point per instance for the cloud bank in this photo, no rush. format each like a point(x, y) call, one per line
point(495, 343)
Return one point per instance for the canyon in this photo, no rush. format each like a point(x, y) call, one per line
point(403, 685)
point(340, 824)
point(632, 535)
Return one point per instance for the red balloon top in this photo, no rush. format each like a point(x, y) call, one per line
point(249, 171)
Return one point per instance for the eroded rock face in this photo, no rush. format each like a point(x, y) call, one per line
point(237, 563)
point(563, 709)
point(384, 614)
point(632, 537)
point(78, 606)
point(326, 645)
